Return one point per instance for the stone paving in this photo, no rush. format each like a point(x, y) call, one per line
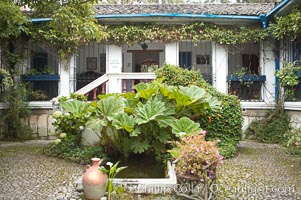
point(259, 171)
point(26, 174)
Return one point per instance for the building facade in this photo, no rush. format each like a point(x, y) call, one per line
point(246, 70)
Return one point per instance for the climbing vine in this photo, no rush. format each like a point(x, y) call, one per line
point(11, 19)
point(287, 26)
point(199, 31)
point(7, 80)
point(72, 26)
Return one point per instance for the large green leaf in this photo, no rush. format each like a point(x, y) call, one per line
point(194, 92)
point(165, 121)
point(163, 136)
point(185, 126)
point(75, 107)
point(111, 106)
point(146, 91)
point(96, 124)
point(149, 111)
point(139, 146)
point(124, 121)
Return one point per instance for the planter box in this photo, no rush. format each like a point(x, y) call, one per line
point(258, 78)
point(40, 77)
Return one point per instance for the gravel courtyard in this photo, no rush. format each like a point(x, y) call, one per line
point(259, 171)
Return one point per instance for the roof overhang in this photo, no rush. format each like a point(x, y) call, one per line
point(180, 18)
point(283, 8)
point(163, 18)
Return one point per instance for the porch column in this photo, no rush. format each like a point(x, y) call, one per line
point(267, 62)
point(114, 65)
point(172, 53)
point(219, 67)
point(65, 71)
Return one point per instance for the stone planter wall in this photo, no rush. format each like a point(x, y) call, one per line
point(250, 115)
point(40, 121)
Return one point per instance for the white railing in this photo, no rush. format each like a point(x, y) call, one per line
point(115, 82)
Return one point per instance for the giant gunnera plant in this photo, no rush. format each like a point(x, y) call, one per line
point(144, 121)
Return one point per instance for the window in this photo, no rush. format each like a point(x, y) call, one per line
point(250, 92)
point(244, 78)
point(202, 59)
point(39, 61)
point(251, 62)
point(42, 77)
point(185, 60)
point(294, 93)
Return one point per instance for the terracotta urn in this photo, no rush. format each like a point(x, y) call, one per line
point(94, 181)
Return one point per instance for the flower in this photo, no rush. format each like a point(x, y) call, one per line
point(81, 128)
point(57, 114)
point(109, 164)
point(55, 101)
point(53, 121)
point(62, 135)
point(57, 141)
point(202, 132)
point(181, 133)
point(67, 114)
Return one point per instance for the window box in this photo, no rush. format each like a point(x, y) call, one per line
point(245, 78)
point(40, 77)
point(247, 88)
point(42, 87)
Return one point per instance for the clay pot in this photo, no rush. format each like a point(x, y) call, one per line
point(94, 181)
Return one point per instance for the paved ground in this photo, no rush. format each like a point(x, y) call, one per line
point(26, 174)
point(259, 171)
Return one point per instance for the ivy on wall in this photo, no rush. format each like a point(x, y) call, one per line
point(72, 26)
point(199, 31)
point(287, 26)
point(11, 19)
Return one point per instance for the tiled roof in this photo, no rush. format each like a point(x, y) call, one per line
point(218, 9)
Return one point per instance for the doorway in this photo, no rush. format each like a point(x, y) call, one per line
point(145, 57)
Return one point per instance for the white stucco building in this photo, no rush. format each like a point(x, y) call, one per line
point(107, 67)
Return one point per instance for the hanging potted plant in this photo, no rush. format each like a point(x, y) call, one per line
point(289, 77)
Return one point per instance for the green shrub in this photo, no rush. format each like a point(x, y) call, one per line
point(272, 128)
point(14, 127)
point(68, 149)
point(224, 124)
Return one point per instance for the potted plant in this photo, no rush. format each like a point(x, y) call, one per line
point(245, 77)
point(47, 74)
point(38, 95)
point(196, 161)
